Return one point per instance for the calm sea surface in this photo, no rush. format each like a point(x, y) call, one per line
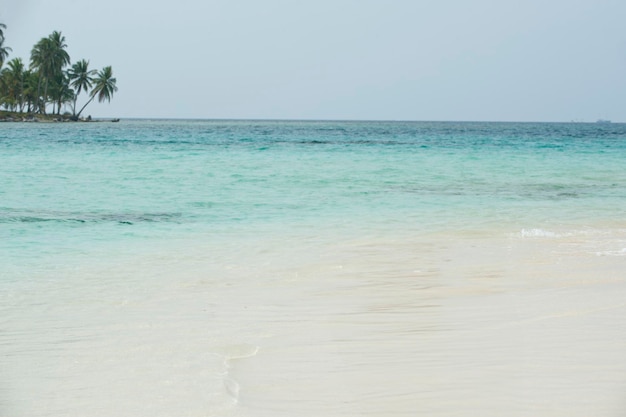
point(269, 268)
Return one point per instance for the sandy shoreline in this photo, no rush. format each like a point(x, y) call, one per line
point(494, 327)
point(9, 117)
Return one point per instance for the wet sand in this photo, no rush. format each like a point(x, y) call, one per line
point(438, 326)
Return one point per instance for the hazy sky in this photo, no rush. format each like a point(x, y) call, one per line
point(526, 60)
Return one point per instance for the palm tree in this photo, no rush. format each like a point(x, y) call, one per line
point(5, 90)
point(49, 57)
point(60, 92)
point(31, 82)
point(13, 84)
point(4, 53)
point(39, 61)
point(81, 79)
point(60, 58)
point(104, 86)
point(4, 50)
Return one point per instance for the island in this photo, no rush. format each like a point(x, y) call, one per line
point(49, 88)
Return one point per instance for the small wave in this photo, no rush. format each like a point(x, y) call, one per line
point(239, 351)
point(621, 252)
point(232, 389)
point(537, 233)
point(229, 353)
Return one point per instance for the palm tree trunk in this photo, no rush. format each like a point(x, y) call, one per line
point(83, 108)
point(45, 96)
point(38, 103)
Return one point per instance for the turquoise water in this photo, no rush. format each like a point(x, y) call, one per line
point(65, 186)
point(279, 268)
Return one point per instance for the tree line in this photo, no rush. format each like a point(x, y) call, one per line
point(50, 82)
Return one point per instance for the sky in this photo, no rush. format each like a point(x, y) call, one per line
point(474, 60)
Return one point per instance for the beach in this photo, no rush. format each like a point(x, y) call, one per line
point(233, 268)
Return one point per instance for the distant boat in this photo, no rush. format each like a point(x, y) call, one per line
point(115, 120)
point(603, 121)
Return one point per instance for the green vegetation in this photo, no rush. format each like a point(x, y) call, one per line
point(50, 82)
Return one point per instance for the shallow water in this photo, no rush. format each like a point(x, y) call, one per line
point(232, 268)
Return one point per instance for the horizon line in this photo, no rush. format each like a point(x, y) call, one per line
point(598, 121)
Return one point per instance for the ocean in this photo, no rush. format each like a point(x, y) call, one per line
point(312, 268)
